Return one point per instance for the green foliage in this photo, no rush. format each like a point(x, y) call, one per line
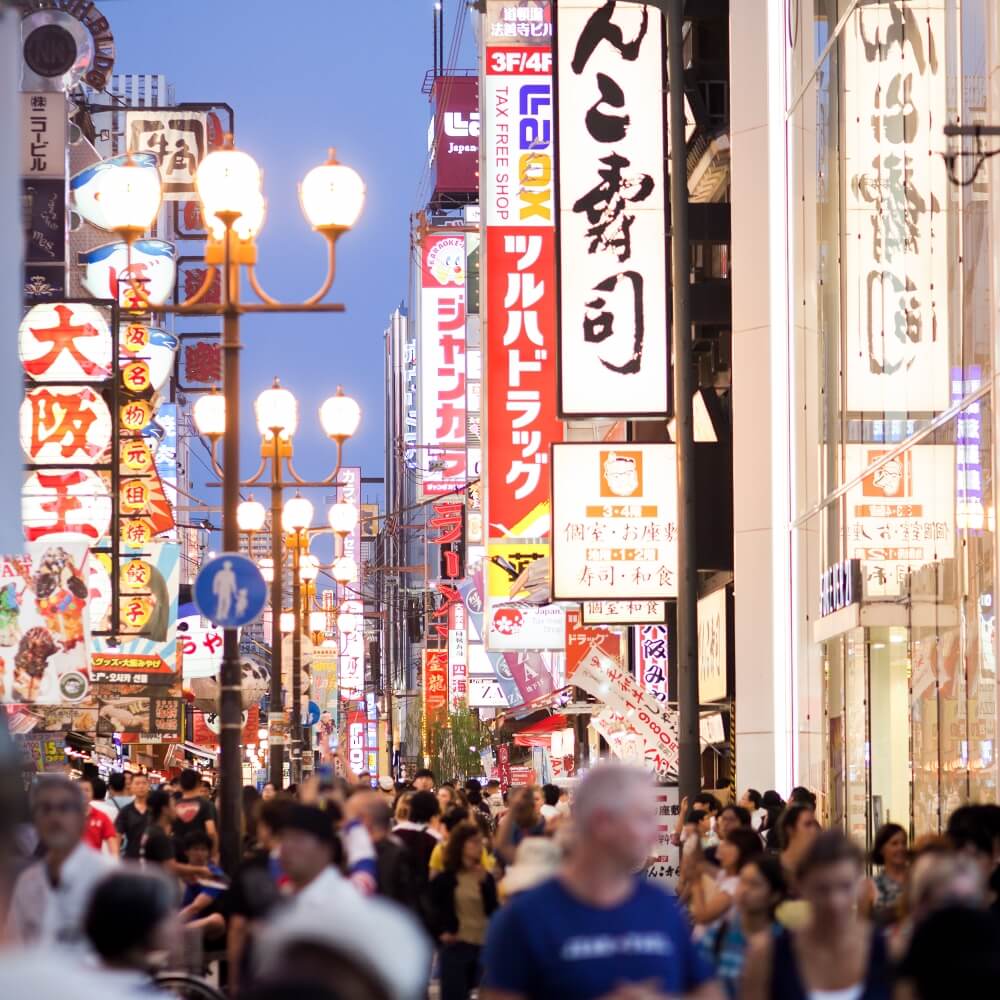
point(455, 746)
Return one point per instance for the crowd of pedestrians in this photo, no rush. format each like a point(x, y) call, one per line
point(361, 890)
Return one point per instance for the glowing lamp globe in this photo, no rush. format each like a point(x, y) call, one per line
point(251, 515)
point(297, 514)
point(343, 518)
point(345, 570)
point(317, 621)
point(287, 622)
point(210, 415)
point(308, 568)
point(228, 184)
point(332, 196)
point(247, 225)
point(277, 411)
point(131, 198)
point(347, 622)
point(339, 416)
point(267, 570)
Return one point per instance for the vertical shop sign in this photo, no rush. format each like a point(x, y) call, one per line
point(521, 420)
point(613, 320)
point(712, 646)
point(896, 247)
point(351, 675)
point(653, 660)
point(456, 135)
point(442, 364)
point(180, 140)
point(458, 664)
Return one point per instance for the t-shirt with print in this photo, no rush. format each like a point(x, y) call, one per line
point(547, 944)
point(98, 829)
point(190, 815)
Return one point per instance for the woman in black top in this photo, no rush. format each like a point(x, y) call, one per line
point(461, 900)
point(836, 952)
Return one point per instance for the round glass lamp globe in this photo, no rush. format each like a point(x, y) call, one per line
point(251, 515)
point(297, 514)
point(267, 570)
point(332, 196)
point(210, 414)
point(308, 568)
point(228, 182)
point(276, 409)
point(317, 621)
point(247, 225)
point(343, 518)
point(131, 197)
point(287, 621)
point(339, 416)
point(345, 569)
point(347, 622)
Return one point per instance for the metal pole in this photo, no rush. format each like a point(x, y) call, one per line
point(297, 659)
point(277, 746)
point(230, 696)
point(687, 568)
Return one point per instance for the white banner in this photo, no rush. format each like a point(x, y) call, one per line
point(613, 321)
point(614, 521)
point(613, 685)
point(512, 627)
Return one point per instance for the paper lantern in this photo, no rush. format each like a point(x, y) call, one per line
point(136, 532)
point(133, 495)
point(135, 415)
point(136, 575)
point(66, 342)
point(72, 502)
point(133, 337)
point(65, 425)
point(135, 377)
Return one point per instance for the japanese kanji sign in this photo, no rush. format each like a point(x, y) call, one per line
point(614, 521)
point(613, 320)
point(519, 22)
point(179, 138)
point(43, 147)
point(66, 342)
point(442, 364)
point(624, 612)
point(352, 644)
point(653, 659)
point(713, 646)
point(65, 425)
point(896, 253)
point(581, 639)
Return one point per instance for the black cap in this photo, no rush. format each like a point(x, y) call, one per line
point(311, 820)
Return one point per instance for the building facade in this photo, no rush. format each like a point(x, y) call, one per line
point(863, 371)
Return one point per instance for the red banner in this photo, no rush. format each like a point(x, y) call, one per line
point(435, 688)
point(582, 639)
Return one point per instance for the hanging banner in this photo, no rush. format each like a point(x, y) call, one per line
point(656, 723)
point(614, 348)
point(442, 364)
point(582, 639)
point(614, 521)
point(458, 665)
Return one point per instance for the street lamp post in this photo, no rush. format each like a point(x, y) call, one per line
point(228, 183)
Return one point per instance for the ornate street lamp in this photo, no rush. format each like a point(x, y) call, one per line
point(228, 183)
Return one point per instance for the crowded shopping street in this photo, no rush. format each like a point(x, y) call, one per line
point(499, 500)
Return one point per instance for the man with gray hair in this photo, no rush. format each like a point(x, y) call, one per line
point(51, 896)
point(598, 931)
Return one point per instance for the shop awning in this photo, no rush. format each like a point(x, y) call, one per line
point(201, 751)
point(539, 734)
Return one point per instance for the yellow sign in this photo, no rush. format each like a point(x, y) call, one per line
point(136, 415)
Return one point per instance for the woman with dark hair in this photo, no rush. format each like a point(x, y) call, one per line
point(761, 888)
point(523, 820)
point(834, 954)
point(711, 898)
point(461, 900)
point(885, 892)
point(797, 829)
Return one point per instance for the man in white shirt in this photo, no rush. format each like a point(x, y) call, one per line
point(50, 897)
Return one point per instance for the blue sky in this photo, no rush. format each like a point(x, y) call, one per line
point(301, 77)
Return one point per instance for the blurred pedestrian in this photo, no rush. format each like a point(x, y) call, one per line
point(158, 842)
point(598, 930)
point(415, 832)
point(711, 898)
point(523, 820)
point(760, 889)
point(133, 820)
point(537, 860)
point(193, 812)
point(835, 952)
point(797, 829)
point(884, 894)
point(423, 780)
point(753, 802)
point(51, 896)
point(549, 809)
point(118, 797)
point(100, 832)
point(461, 900)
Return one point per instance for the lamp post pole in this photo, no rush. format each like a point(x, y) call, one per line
point(297, 658)
point(230, 696)
point(275, 710)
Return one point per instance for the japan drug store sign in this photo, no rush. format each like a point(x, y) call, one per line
point(613, 320)
point(614, 522)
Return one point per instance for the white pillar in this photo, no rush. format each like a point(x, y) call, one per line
point(765, 723)
point(11, 281)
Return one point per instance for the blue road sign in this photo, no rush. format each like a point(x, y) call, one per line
point(230, 590)
point(312, 716)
